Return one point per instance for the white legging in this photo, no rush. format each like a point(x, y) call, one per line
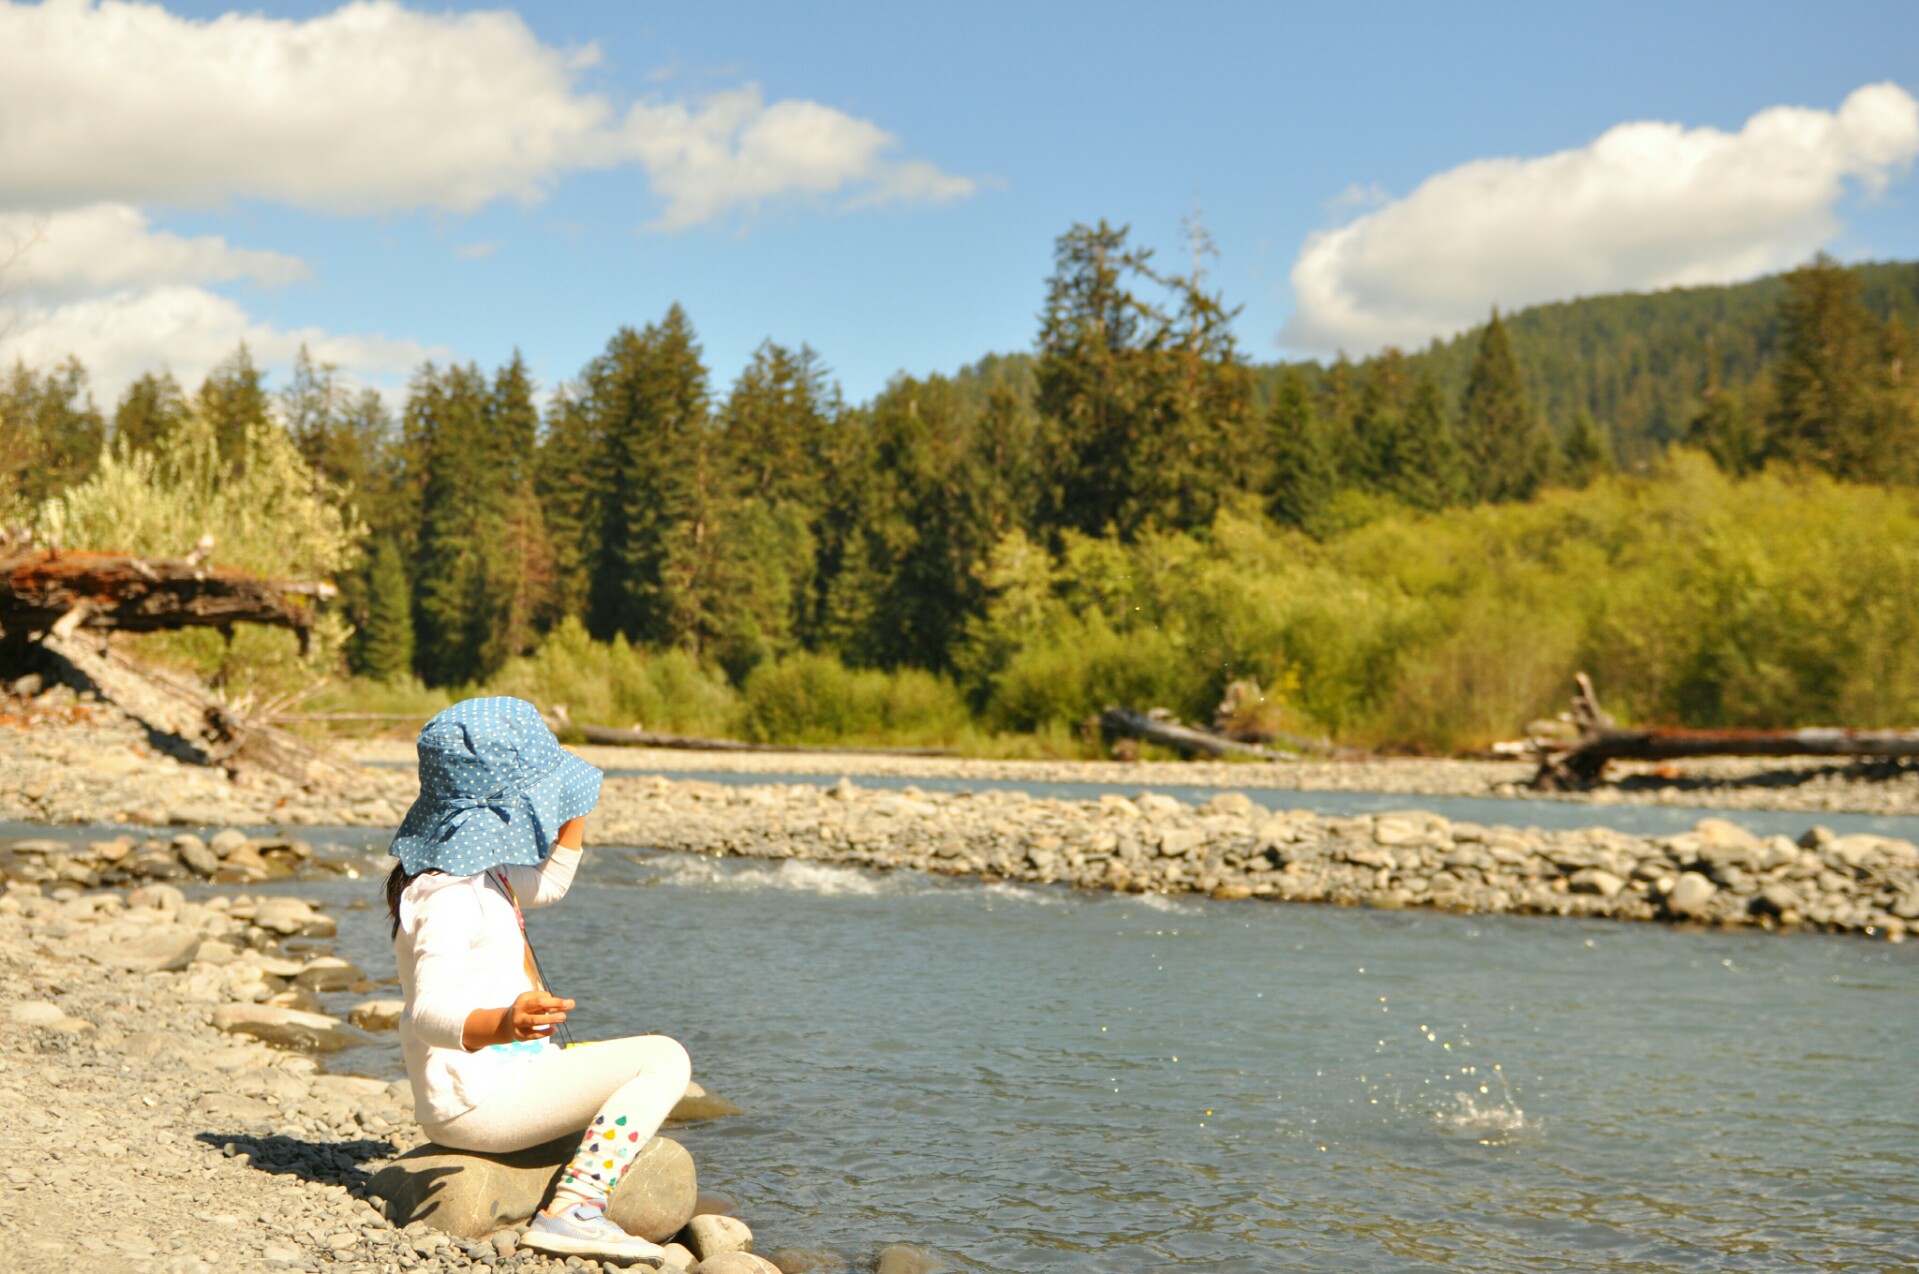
point(617, 1091)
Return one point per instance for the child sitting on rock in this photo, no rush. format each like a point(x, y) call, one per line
point(498, 827)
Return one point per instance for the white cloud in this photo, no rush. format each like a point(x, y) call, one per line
point(375, 107)
point(111, 108)
point(733, 152)
point(1646, 205)
point(367, 108)
point(107, 246)
point(186, 330)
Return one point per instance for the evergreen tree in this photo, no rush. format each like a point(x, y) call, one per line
point(1588, 452)
point(1378, 435)
point(51, 434)
point(382, 646)
point(463, 502)
point(1509, 453)
point(646, 398)
point(519, 563)
point(1304, 472)
point(150, 410)
point(233, 397)
point(1429, 469)
point(568, 481)
point(1827, 374)
point(775, 424)
point(1143, 404)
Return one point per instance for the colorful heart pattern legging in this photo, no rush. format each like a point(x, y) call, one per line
point(604, 1155)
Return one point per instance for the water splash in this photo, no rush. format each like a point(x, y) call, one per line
point(1489, 1118)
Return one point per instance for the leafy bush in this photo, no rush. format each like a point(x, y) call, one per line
point(811, 698)
point(267, 512)
point(613, 683)
point(1691, 596)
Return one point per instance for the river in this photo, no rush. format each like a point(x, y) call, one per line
point(1033, 1079)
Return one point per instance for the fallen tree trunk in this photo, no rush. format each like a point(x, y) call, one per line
point(56, 609)
point(1131, 723)
point(1581, 763)
point(614, 736)
point(180, 718)
point(40, 588)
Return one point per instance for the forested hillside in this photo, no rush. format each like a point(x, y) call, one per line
point(1415, 549)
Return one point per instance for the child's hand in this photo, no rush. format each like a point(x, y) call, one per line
point(535, 1014)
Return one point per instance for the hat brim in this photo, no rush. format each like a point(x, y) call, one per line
point(568, 791)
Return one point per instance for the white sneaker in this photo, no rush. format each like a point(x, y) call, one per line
point(583, 1230)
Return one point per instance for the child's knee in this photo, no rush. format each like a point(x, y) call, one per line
point(674, 1060)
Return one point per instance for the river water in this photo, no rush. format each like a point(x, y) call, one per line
point(1033, 1079)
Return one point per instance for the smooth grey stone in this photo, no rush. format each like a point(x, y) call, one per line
point(470, 1195)
point(1690, 894)
point(709, 1236)
point(287, 1028)
point(736, 1263)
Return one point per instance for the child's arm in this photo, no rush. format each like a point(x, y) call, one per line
point(531, 1016)
point(546, 884)
point(442, 937)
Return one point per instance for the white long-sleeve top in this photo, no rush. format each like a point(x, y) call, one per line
point(460, 948)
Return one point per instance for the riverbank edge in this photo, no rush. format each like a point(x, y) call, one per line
point(1788, 785)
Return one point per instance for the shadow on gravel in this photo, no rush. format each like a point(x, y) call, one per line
point(333, 1162)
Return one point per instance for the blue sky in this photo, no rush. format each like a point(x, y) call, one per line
point(885, 182)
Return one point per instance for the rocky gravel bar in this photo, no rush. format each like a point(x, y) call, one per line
point(1233, 849)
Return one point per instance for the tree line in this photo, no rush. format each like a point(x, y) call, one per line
point(775, 518)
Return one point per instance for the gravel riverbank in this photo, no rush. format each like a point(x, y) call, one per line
point(162, 1108)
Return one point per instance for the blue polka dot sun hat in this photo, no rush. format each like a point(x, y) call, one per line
point(495, 785)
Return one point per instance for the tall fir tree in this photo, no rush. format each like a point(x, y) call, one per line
point(51, 433)
point(647, 399)
point(519, 561)
point(1379, 428)
point(1588, 453)
point(463, 503)
point(150, 409)
point(569, 476)
point(1508, 450)
point(233, 398)
point(382, 645)
point(1145, 405)
point(1304, 471)
point(1429, 468)
point(1827, 374)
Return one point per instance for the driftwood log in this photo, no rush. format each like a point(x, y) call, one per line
point(57, 608)
point(1581, 762)
point(614, 736)
point(40, 588)
point(1153, 727)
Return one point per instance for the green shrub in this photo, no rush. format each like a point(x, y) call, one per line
point(614, 683)
point(813, 698)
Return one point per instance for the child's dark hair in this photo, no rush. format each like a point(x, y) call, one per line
point(396, 882)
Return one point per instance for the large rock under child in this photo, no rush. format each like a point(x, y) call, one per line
point(471, 1195)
